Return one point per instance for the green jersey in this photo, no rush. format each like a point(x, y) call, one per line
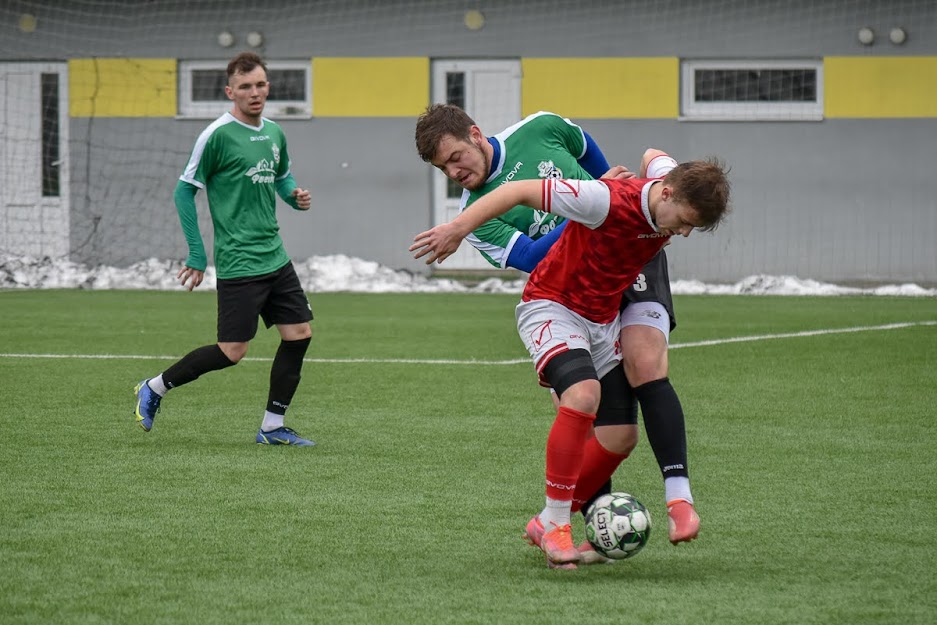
point(543, 145)
point(239, 165)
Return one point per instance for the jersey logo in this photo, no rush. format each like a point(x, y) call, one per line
point(276, 153)
point(541, 334)
point(512, 173)
point(566, 187)
point(546, 169)
point(263, 172)
point(543, 223)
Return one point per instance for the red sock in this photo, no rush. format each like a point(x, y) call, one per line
point(565, 451)
point(598, 464)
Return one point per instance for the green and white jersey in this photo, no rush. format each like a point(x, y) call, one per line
point(543, 145)
point(238, 165)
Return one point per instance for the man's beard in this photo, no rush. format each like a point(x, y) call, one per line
point(486, 170)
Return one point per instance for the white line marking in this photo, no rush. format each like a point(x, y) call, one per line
point(518, 361)
point(768, 337)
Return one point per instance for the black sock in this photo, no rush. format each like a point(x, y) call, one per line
point(604, 489)
point(285, 374)
point(194, 364)
point(664, 425)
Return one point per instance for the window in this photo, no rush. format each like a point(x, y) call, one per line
point(455, 94)
point(752, 90)
point(202, 83)
point(51, 171)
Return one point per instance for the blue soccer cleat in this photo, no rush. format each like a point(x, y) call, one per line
point(282, 436)
point(147, 405)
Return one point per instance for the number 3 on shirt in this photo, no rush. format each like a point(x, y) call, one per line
point(640, 284)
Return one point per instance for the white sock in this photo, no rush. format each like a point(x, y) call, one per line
point(677, 488)
point(157, 385)
point(557, 511)
point(271, 421)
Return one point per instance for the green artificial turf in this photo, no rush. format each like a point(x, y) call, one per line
point(812, 461)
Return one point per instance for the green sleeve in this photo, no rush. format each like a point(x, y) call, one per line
point(570, 135)
point(285, 188)
point(188, 216)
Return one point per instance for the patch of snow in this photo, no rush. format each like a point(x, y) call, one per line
point(338, 272)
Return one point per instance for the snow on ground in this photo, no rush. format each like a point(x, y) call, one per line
point(342, 273)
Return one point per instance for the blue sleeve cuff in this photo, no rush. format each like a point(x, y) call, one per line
point(526, 252)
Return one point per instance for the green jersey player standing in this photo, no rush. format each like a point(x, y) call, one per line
point(242, 162)
point(545, 145)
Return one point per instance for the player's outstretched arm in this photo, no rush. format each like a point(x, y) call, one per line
point(443, 240)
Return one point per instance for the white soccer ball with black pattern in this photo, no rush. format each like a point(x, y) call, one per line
point(618, 525)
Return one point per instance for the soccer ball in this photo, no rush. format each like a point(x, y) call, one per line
point(618, 525)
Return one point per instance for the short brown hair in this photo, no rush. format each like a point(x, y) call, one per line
point(438, 121)
point(244, 63)
point(704, 185)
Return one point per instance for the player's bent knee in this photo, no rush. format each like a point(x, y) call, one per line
point(234, 351)
point(618, 439)
point(643, 371)
point(583, 396)
point(572, 375)
point(295, 331)
point(569, 368)
point(618, 405)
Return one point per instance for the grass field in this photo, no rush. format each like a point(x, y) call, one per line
point(812, 459)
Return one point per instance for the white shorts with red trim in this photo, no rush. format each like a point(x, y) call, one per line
point(548, 329)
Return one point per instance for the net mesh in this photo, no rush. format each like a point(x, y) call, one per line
point(90, 178)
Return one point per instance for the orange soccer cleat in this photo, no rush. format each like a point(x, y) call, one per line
point(683, 521)
point(557, 544)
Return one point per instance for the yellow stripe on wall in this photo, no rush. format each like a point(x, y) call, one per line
point(880, 86)
point(370, 87)
point(603, 88)
point(122, 87)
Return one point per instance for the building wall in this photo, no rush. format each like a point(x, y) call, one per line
point(848, 198)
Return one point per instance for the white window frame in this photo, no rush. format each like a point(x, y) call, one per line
point(275, 109)
point(748, 111)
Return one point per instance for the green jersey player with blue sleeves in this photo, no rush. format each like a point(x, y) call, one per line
point(546, 145)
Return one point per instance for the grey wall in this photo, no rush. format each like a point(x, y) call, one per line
point(834, 200)
point(537, 28)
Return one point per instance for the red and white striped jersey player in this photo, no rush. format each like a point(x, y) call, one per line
point(568, 314)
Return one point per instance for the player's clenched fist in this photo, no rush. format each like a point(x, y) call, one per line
point(303, 198)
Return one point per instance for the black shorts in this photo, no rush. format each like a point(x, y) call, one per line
point(277, 297)
point(652, 285)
